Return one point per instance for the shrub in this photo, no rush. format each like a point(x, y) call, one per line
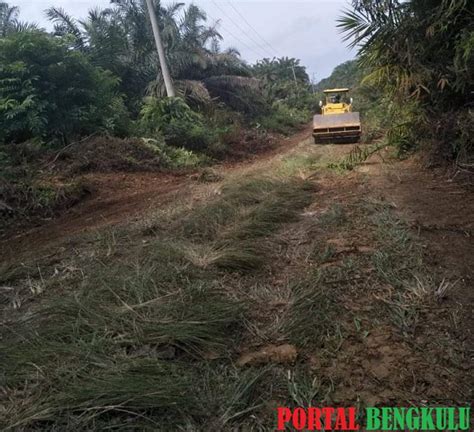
point(177, 122)
point(37, 98)
point(284, 119)
point(175, 157)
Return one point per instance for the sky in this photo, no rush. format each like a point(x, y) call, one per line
point(264, 28)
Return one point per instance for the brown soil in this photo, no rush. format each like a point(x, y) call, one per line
point(113, 199)
point(380, 366)
point(116, 198)
point(439, 209)
point(383, 367)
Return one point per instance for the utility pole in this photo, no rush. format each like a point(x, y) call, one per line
point(294, 75)
point(313, 82)
point(161, 51)
point(296, 81)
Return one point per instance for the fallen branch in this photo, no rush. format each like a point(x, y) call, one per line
point(68, 146)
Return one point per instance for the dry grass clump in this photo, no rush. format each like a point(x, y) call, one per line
point(129, 341)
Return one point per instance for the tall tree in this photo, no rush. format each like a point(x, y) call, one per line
point(9, 22)
point(120, 39)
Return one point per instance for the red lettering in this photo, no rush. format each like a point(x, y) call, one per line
point(353, 425)
point(318, 419)
point(341, 423)
point(283, 417)
point(314, 419)
point(299, 418)
point(327, 412)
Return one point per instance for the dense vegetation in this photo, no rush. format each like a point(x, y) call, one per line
point(417, 57)
point(101, 76)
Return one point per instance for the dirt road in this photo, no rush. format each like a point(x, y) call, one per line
point(357, 292)
point(119, 198)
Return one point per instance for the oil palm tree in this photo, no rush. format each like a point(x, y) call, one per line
point(9, 22)
point(414, 47)
point(120, 39)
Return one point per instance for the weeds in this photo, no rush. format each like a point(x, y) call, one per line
point(284, 119)
point(146, 333)
point(399, 263)
point(112, 349)
point(231, 394)
point(334, 216)
point(310, 317)
point(306, 390)
point(244, 212)
point(357, 156)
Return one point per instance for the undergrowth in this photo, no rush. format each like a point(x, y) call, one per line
point(357, 156)
point(143, 339)
point(142, 328)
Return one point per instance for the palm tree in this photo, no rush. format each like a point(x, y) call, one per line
point(120, 39)
point(283, 78)
point(8, 16)
point(414, 47)
point(9, 22)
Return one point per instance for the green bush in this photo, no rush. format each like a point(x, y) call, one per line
point(177, 122)
point(420, 57)
point(175, 157)
point(50, 92)
point(284, 119)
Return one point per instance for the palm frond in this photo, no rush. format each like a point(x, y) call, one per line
point(65, 24)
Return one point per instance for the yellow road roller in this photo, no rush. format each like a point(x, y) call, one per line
point(336, 123)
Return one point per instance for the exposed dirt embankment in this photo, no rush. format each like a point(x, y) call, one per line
point(117, 197)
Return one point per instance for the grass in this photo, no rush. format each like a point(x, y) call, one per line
point(130, 338)
point(334, 216)
point(306, 389)
point(243, 212)
point(357, 156)
point(298, 163)
point(118, 346)
point(311, 316)
point(399, 265)
point(141, 328)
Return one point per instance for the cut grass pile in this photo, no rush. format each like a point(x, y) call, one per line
point(143, 335)
point(146, 329)
point(231, 230)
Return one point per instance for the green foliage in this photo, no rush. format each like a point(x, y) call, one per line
point(36, 95)
point(284, 80)
point(175, 157)
point(280, 70)
point(29, 197)
point(89, 77)
point(420, 54)
point(120, 39)
point(241, 94)
point(284, 119)
point(347, 74)
point(174, 119)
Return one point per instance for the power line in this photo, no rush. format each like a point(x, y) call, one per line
point(252, 28)
point(233, 35)
point(257, 44)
